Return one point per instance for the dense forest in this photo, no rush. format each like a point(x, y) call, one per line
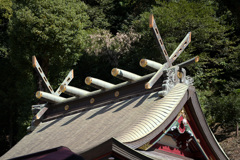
point(94, 36)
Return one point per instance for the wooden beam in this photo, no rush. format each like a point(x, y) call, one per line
point(49, 97)
point(158, 37)
point(40, 71)
point(180, 47)
point(66, 81)
point(73, 91)
point(41, 113)
point(149, 64)
point(154, 79)
point(124, 75)
point(188, 62)
point(98, 83)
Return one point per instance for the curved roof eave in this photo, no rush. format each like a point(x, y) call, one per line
point(163, 124)
point(201, 122)
point(156, 115)
point(189, 97)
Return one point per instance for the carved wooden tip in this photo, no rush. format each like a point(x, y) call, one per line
point(196, 59)
point(37, 117)
point(34, 61)
point(190, 36)
point(143, 63)
point(72, 73)
point(147, 86)
point(114, 72)
point(63, 88)
point(151, 18)
point(88, 80)
point(38, 94)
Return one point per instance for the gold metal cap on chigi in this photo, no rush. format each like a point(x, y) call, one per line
point(38, 94)
point(114, 72)
point(88, 80)
point(143, 63)
point(197, 59)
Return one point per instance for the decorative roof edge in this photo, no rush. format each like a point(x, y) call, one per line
point(190, 98)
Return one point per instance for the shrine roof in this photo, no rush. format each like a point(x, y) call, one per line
point(84, 130)
point(130, 114)
point(87, 129)
point(132, 122)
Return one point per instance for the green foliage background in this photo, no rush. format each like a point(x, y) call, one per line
point(94, 36)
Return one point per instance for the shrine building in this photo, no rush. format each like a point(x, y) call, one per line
point(155, 116)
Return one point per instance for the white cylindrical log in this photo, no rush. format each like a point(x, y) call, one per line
point(97, 83)
point(124, 75)
point(73, 91)
point(149, 64)
point(49, 97)
point(188, 62)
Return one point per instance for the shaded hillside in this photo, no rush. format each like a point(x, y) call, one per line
point(228, 141)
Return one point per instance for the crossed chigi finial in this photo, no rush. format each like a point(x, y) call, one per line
point(174, 74)
point(172, 58)
point(40, 109)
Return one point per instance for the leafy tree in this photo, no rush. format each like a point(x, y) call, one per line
point(115, 15)
point(225, 109)
point(5, 71)
point(212, 39)
point(54, 31)
point(233, 6)
point(98, 35)
point(16, 97)
point(97, 11)
point(103, 54)
point(5, 15)
point(104, 43)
